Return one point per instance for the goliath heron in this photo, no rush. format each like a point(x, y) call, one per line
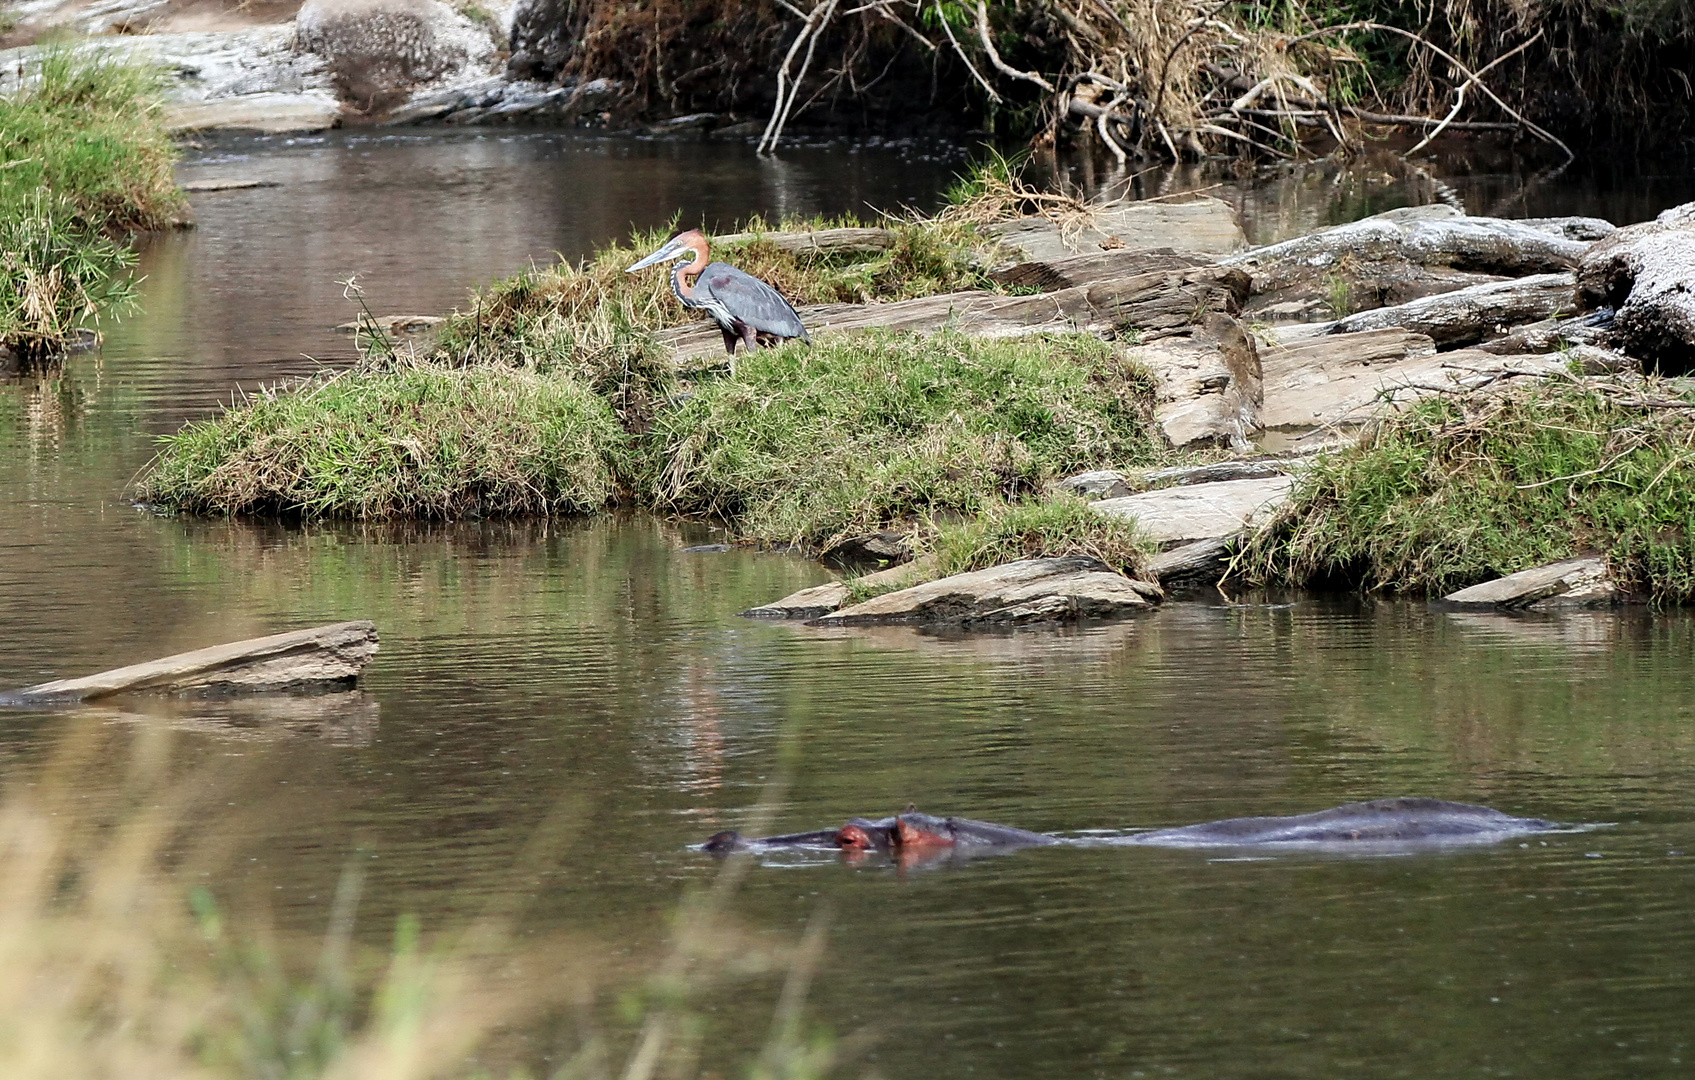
point(743, 306)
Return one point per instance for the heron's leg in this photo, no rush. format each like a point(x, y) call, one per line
point(750, 338)
point(730, 340)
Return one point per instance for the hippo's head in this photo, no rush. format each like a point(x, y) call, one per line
point(725, 842)
point(862, 834)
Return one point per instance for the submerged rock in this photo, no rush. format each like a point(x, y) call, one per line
point(1027, 591)
point(322, 655)
point(1569, 583)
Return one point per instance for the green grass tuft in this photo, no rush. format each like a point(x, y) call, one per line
point(1060, 526)
point(811, 445)
point(425, 442)
point(83, 157)
point(1455, 492)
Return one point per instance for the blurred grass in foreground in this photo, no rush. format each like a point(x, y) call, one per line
point(113, 966)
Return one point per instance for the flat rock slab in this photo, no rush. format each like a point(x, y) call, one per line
point(1210, 384)
point(1070, 271)
point(1204, 225)
point(1016, 593)
point(1182, 515)
point(336, 653)
point(272, 114)
point(1336, 379)
point(1575, 583)
point(213, 184)
point(820, 600)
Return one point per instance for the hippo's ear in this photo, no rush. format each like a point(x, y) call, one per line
point(729, 840)
point(911, 808)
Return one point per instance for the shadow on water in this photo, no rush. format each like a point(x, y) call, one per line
point(530, 664)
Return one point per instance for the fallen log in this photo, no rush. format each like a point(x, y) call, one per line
point(1420, 236)
point(1645, 272)
point(1474, 314)
point(1546, 335)
point(822, 241)
point(1064, 272)
point(1204, 225)
point(1156, 303)
point(318, 657)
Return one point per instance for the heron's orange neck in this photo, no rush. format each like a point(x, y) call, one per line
point(680, 272)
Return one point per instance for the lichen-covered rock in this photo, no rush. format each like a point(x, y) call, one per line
point(379, 50)
point(1647, 272)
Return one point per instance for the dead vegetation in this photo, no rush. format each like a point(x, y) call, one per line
point(1143, 78)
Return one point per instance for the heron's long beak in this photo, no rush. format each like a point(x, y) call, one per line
point(670, 250)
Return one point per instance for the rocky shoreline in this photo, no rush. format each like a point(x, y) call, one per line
point(1488, 306)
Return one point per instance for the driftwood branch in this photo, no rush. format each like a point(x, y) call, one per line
point(788, 90)
point(941, 17)
point(995, 57)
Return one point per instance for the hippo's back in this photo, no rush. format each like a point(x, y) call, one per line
point(1380, 820)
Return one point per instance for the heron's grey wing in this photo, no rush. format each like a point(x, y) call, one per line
point(751, 300)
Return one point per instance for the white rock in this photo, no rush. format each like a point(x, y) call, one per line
point(1579, 583)
point(1182, 515)
point(269, 113)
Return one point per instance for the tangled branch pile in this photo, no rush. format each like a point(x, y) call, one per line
point(1145, 78)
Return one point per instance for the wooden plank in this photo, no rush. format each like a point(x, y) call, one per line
point(336, 653)
point(822, 241)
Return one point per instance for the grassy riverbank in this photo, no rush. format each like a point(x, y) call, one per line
point(1458, 491)
point(84, 159)
point(802, 446)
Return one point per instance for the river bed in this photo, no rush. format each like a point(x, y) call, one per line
point(593, 674)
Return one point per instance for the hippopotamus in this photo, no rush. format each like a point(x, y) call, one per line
point(904, 832)
point(1379, 823)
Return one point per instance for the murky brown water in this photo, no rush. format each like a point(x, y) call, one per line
point(593, 669)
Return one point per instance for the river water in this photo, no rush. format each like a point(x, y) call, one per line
point(588, 683)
